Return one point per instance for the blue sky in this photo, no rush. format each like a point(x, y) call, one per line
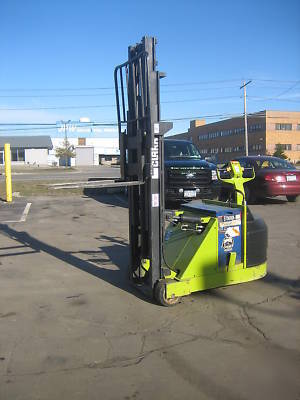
point(206, 48)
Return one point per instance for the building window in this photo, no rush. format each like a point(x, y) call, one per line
point(203, 137)
point(287, 147)
point(237, 149)
point(81, 142)
point(228, 150)
point(256, 147)
point(298, 127)
point(14, 154)
point(17, 154)
point(298, 147)
point(21, 155)
point(283, 127)
point(255, 127)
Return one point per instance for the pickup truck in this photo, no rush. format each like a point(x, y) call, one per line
point(187, 175)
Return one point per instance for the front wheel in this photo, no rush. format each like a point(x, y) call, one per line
point(291, 199)
point(160, 295)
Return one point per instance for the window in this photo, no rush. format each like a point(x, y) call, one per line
point(180, 149)
point(283, 127)
point(21, 155)
point(203, 137)
point(227, 150)
point(256, 127)
point(17, 154)
point(14, 154)
point(273, 163)
point(287, 146)
point(298, 127)
point(298, 147)
point(238, 148)
point(256, 147)
point(81, 142)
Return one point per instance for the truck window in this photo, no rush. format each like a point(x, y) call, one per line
point(180, 150)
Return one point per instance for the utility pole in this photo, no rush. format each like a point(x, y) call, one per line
point(245, 115)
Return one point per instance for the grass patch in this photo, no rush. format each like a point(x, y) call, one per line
point(34, 188)
point(37, 170)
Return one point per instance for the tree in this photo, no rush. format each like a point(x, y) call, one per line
point(66, 151)
point(279, 151)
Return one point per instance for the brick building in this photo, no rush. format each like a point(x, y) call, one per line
point(224, 140)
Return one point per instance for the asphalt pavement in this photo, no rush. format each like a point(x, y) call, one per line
point(71, 326)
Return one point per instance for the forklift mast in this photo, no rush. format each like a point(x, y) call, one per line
point(137, 87)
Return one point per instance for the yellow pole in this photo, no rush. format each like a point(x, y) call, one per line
point(7, 158)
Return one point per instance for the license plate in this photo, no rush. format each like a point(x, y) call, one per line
point(189, 193)
point(290, 178)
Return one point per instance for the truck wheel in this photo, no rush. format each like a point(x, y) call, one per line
point(291, 199)
point(160, 295)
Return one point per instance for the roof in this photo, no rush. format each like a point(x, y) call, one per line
point(169, 139)
point(27, 142)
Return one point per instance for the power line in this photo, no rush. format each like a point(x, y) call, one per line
point(112, 87)
point(54, 126)
point(257, 98)
point(111, 105)
point(109, 94)
point(287, 90)
point(273, 80)
point(58, 107)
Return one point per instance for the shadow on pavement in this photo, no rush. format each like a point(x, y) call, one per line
point(117, 253)
point(110, 199)
point(270, 200)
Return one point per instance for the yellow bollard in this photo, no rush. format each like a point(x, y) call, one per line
point(7, 160)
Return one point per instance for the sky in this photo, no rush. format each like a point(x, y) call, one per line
point(57, 58)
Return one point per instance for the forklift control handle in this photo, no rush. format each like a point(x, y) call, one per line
point(189, 219)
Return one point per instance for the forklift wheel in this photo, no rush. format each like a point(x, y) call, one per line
point(160, 295)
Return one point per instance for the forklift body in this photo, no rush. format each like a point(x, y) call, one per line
point(207, 244)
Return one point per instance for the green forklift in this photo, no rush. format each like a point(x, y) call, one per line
point(207, 244)
point(211, 244)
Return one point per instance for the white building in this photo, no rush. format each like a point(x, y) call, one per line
point(31, 150)
point(89, 151)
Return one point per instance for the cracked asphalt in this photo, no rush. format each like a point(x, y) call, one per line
point(71, 327)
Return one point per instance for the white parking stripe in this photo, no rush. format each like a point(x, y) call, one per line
point(23, 217)
point(25, 212)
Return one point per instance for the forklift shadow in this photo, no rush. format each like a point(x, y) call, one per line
point(102, 196)
point(271, 200)
point(98, 267)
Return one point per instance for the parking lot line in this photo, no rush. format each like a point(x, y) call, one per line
point(23, 216)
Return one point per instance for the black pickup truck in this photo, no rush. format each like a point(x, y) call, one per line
point(187, 176)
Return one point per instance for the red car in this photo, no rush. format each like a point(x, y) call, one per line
point(273, 177)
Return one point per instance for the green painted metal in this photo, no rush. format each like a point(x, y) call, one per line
point(192, 258)
point(214, 280)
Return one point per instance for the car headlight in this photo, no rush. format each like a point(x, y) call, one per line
point(214, 175)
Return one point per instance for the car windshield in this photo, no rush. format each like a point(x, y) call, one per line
point(180, 150)
point(273, 164)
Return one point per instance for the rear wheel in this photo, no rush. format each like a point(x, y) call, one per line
point(291, 199)
point(160, 295)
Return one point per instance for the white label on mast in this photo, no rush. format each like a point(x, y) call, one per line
point(154, 160)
